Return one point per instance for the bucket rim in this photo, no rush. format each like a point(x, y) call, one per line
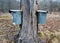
point(15, 10)
point(41, 11)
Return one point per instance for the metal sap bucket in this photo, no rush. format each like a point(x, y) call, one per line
point(41, 16)
point(17, 16)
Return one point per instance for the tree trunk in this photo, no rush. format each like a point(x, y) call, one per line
point(27, 33)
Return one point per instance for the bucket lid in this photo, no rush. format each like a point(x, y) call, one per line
point(41, 11)
point(15, 10)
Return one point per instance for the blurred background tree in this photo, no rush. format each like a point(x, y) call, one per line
point(50, 5)
point(5, 5)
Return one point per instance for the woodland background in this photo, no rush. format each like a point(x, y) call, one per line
point(49, 33)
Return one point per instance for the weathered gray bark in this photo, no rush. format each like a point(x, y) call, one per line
point(34, 20)
point(25, 35)
point(28, 32)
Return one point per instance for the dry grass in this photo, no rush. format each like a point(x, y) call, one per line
point(50, 37)
point(7, 29)
point(50, 32)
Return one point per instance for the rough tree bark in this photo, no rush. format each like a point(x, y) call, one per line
point(28, 32)
point(34, 19)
